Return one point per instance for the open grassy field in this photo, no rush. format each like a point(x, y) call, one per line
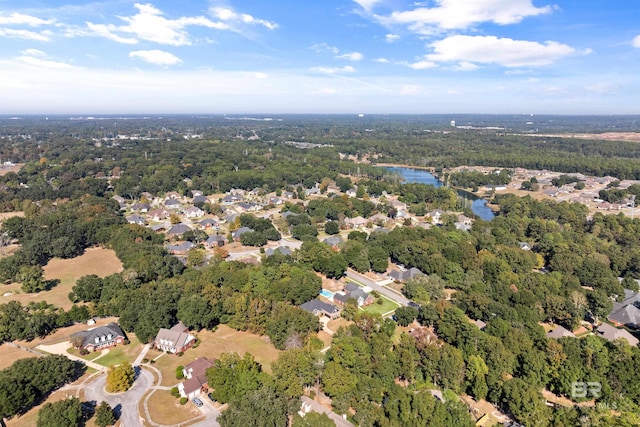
point(9, 354)
point(335, 324)
point(167, 410)
point(99, 261)
point(120, 354)
point(212, 345)
point(387, 306)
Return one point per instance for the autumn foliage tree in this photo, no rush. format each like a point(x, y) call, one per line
point(120, 378)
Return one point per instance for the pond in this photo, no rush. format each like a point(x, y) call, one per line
point(478, 206)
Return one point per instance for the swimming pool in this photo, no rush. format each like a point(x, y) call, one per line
point(328, 295)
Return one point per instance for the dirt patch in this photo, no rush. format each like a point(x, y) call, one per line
point(99, 261)
point(330, 284)
point(607, 136)
point(325, 338)
point(9, 354)
point(13, 168)
point(6, 215)
point(336, 324)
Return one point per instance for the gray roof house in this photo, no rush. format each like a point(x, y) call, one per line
point(333, 241)
point(560, 332)
point(611, 333)
point(404, 275)
point(178, 230)
point(136, 219)
point(200, 199)
point(282, 249)
point(215, 240)
point(140, 207)
point(240, 231)
point(100, 337)
point(627, 312)
point(321, 308)
point(180, 248)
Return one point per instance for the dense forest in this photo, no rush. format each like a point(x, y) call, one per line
point(378, 377)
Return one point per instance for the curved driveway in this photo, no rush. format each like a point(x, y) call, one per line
point(126, 404)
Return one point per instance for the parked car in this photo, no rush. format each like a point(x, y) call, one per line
point(197, 402)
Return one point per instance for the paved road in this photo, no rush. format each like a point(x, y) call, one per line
point(392, 295)
point(124, 403)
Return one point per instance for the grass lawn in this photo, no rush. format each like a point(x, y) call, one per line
point(386, 307)
point(120, 354)
point(90, 356)
point(99, 261)
point(166, 409)
point(212, 345)
point(9, 354)
point(335, 324)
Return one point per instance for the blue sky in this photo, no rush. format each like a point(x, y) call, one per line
point(320, 56)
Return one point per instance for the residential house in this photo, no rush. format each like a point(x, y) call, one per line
point(230, 199)
point(281, 249)
point(611, 333)
point(146, 195)
point(311, 191)
point(356, 222)
point(136, 219)
point(275, 201)
point(352, 192)
point(200, 199)
point(378, 218)
point(173, 195)
point(174, 340)
point(248, 207)
point(178, 230)
point(193, 212)
point(239, 232)
point(333, 241)
point(560, 332)
point(196, 193)
point(99, 338)
point(524, 246)
point(404, 275)
point(158, 215)
point(118, 199)
point(195, 374)
point(215, 240)
point(181, 248)
point(479, 323)
point(172, 204)
point(436, 216)
point(140, 207)
point(626, 312)
point(209, 223)
point(356, 292)
point(287, 194)
point(321, 308)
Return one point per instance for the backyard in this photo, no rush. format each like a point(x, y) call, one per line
point(212, 344)
point(387, 306)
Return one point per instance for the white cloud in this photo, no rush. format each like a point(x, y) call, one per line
point(367, 4)
point(44, 63)
point(390, 38)
point(503, 51)
point(382, 60)
point(158, 57)
point(227, 14)
point(334, 70)
point(351, 56)
point(150, 24)
point(43, 36)
point(465, 66)
point(323, 47)
point(22, 19)
point(33, 52)
point(422, 65)
point(463, 14)
point(636, 41)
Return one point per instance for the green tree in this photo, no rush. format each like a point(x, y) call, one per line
point(312, 419)
point(232, 377)
point(104, 415)
point(120, 378)
point(67, 412)
point(405, 315)
point(331, 227)
point(260, 408)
